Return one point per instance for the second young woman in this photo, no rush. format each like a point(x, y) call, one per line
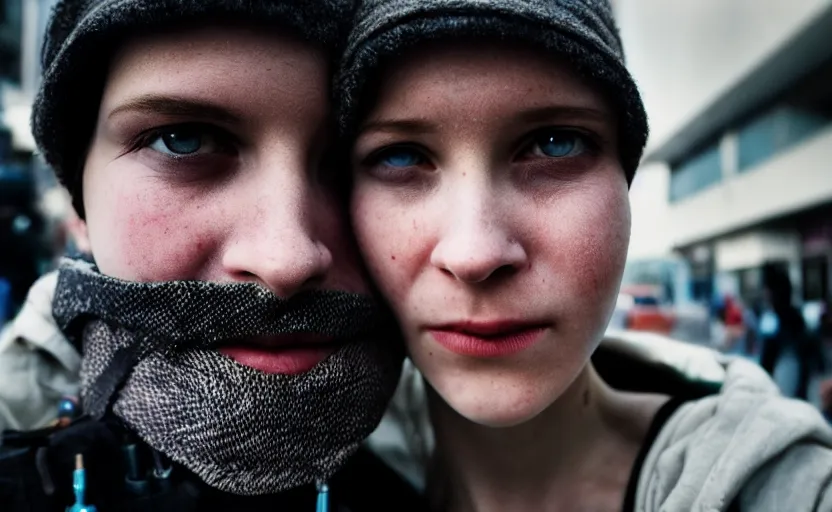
point(494, 143)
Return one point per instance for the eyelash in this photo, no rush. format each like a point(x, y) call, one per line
point(143, 140)
point(402, 173)
point(590, 145)
point(374, 160)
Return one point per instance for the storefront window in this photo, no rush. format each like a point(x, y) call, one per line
point(774, 132)
point(696, 173)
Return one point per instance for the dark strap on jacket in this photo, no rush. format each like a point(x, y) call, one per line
point(36, 476)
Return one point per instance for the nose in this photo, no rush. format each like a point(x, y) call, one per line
point(276, 242)
point(477, 242)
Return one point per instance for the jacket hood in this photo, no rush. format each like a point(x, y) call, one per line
point(746, 443)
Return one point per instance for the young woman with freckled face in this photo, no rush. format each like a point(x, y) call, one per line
point(489, 278)
point(233, 356)
point(493, 146)
point(193, 177)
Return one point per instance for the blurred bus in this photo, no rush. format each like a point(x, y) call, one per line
point(656, 297)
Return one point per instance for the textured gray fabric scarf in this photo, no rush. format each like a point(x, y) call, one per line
point(148, 353)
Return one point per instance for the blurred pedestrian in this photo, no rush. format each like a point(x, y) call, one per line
point(22, 247)
point(825, 323)
point(789, 352)
point(825, 334)
point(730, 327)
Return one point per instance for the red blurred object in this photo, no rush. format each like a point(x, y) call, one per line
point(733, 313)
point(647, 312)
point(826, 396)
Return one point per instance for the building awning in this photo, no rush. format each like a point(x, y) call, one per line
point(806, 51)
point(755, 248)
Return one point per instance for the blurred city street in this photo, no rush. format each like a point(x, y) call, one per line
point(736, 179)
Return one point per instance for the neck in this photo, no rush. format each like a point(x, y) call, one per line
point(583, 445)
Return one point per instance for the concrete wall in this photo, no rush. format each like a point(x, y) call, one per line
point(790, 181)
point(651, 231)
point(752, 249)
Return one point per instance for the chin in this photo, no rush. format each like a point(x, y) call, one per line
point(498, 420)
point(497, 405)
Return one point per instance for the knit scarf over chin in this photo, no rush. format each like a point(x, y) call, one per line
point(149, 356)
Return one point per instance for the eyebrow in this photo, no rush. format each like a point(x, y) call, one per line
point(409, 126)
point(541, 114)
point(527, 116)
point(176, 107)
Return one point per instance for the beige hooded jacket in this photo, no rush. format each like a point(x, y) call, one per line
point(37, 364)
point(742, 442)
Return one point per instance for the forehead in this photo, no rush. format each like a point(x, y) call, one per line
point(485, 76)
point(231, 65)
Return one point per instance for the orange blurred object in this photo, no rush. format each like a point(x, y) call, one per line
point(647, 312)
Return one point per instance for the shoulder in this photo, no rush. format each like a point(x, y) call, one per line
point(651, 363)
point(733, 435)
point(37, 363)
point(798, 479)
point(745, 442)
point(34, 324)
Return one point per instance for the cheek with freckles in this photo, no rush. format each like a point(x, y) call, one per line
point(153, 232)
point(575, 273)
point(587, 254)
point(394, 243)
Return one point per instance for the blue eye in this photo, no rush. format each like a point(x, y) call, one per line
point(558, 144)
point(401, 157)
point(183, 141)
point(397, 164)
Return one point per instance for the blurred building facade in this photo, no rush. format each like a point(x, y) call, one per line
point(741, 106)
point(20, 86)
point(25, 244)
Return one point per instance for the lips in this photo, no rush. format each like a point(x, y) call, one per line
point(281, 354)
point(488, 339)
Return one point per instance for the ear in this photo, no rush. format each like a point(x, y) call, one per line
point(80, 235)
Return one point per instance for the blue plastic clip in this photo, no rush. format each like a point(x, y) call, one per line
point(79, 484)
point(323, 497)
point(68, 410)
point(67, 407)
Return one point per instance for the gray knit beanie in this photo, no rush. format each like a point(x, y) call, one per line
point(582, 31)
point(83, 34)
